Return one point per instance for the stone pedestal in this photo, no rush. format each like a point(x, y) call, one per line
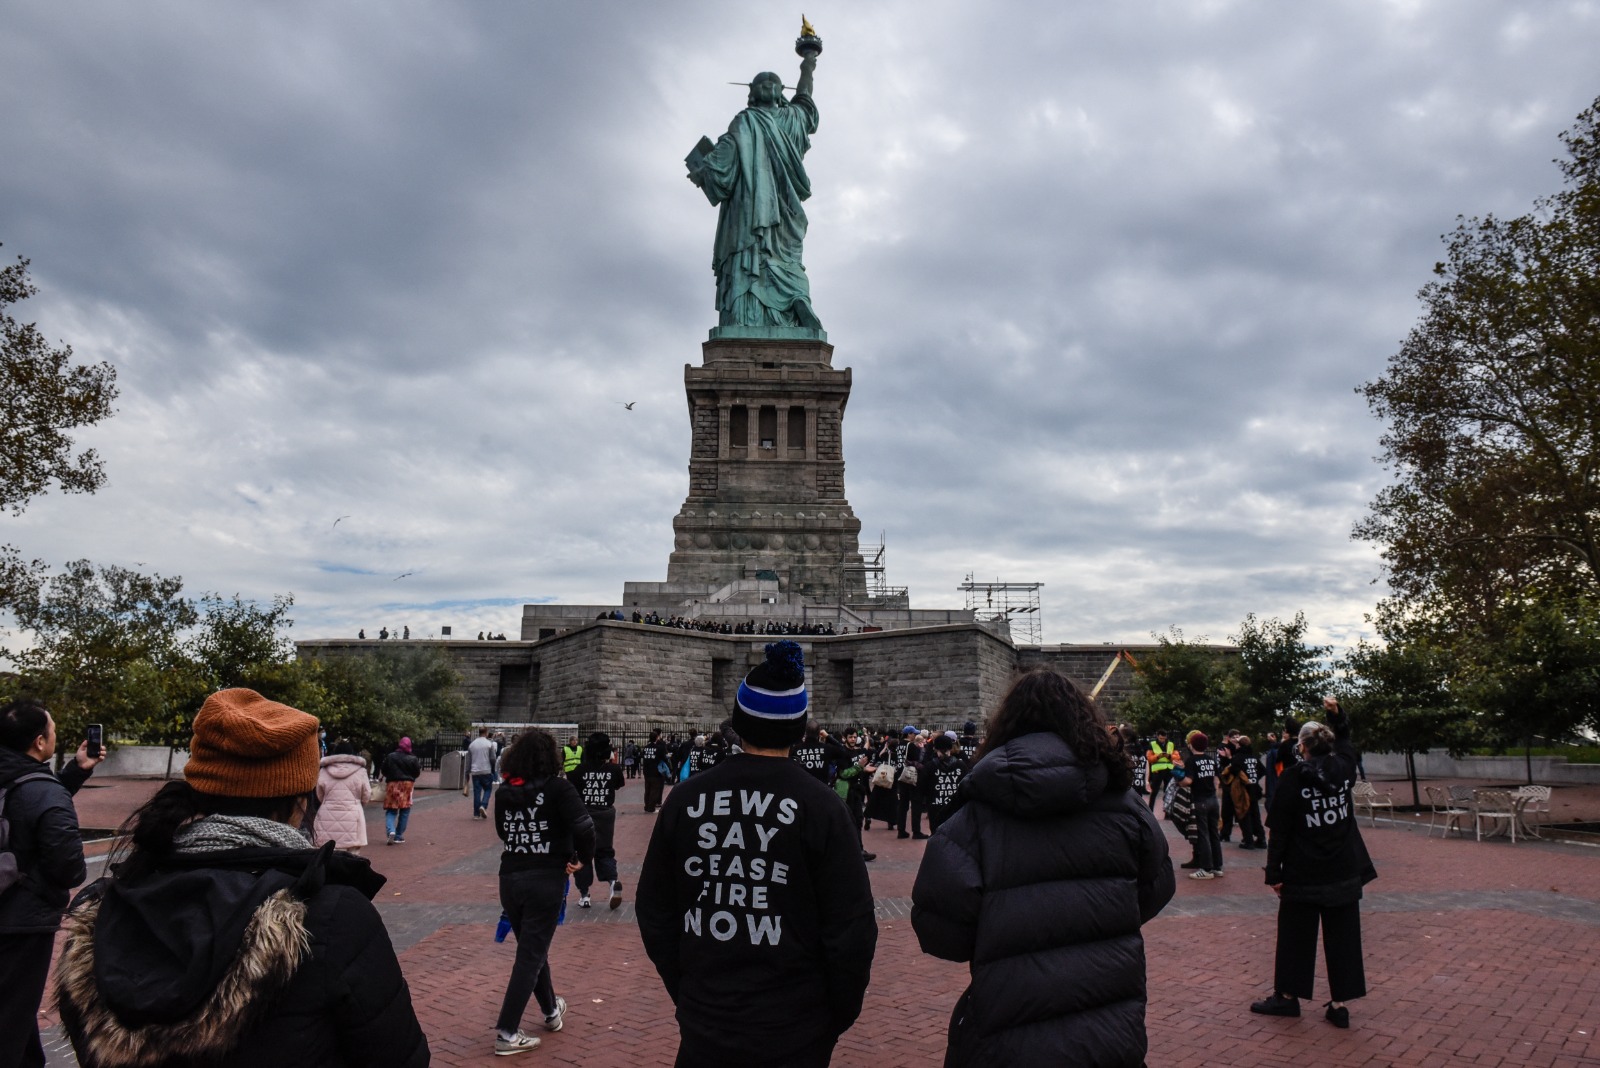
point(766, 474)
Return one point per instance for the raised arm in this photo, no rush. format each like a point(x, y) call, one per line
point(808, 64)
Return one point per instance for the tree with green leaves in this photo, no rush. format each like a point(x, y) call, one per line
point(1493, 408)
point(1180, 685)
point(107, 646)
point(235, 638)
point(1539, 676)
point(44, 396)
point(375, 698)
point(1277, 673)
point(127, 649)
point(1404, 693)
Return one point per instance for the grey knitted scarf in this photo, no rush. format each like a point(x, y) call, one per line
point(213, 834)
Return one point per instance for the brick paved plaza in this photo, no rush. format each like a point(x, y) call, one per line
point(1477, 954)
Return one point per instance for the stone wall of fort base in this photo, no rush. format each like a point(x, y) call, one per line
point(936, 677)
point(627, 678)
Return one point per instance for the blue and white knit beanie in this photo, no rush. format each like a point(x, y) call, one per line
point(770, 712)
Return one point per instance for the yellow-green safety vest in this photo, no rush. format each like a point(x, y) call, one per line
point(571, 757)
point(1163, 759)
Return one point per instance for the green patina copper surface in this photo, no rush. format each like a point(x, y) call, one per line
point(756, 176)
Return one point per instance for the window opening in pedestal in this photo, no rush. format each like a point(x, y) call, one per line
point(767, 427)
point(844, 678)
point(797, 427)
point(739, 426)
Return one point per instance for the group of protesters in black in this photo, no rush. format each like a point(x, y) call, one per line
point(772, 844)
point(1317, 862)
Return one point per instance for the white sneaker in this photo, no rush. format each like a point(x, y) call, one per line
point(584, 902)
point(1216, 873)
point(554, 1021)
point(517, 1043)
point(616, 893)
point(1201, 874)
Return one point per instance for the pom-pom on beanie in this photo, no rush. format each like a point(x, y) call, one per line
point(247, 746)
point(770, 712)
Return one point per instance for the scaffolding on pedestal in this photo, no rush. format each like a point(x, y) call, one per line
point(1015, 604)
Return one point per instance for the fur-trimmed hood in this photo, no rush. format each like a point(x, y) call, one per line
point(273, 945)
point(178, 964)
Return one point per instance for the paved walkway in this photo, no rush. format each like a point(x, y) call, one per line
point(1477, 954)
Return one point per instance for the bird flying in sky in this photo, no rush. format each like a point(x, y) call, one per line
point(397, 578)
point(336, 522)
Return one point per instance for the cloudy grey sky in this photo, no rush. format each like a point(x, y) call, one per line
point(1107, 274)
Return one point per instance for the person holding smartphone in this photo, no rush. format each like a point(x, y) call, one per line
point(44, 840)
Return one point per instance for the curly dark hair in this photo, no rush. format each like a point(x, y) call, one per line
point(1044, 701)
point(532, 757)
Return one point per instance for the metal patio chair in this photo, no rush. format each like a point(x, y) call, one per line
point(1535, 804)
point(1499, 806)
point(1440, 806)
point(1364, 794)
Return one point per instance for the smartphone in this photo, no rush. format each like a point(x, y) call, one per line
point(96, 735)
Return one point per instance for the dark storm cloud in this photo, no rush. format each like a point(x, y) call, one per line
point(1107, 277)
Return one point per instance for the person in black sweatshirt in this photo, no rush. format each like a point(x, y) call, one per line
point(811, 753)
point(597, 780)
point(653, 757)
point(910, 793)
point(1203, 767)
point(1317, 864)
point(698, 758)
point(851, 782)
point(753, 902)
point(548, 836)
point(1247, 770)
point(945, 770)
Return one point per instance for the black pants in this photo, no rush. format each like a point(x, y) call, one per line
point(1250, 829)
point(907, 798)
point(24, 964)
point(605, 853)
point(937, 814)
point(695, 1053)
point(1341, 949)
point(1158, 785)
point(1207, 843)
point(652, 789)
point(880, 805)
point(857, 805)
point(532, 900)
point(1227, 813)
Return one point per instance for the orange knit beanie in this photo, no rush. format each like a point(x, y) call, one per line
point(247, 746)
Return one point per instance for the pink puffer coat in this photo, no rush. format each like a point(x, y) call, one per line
point(341, 788)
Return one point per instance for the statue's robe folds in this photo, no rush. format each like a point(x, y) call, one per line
point(756, 174)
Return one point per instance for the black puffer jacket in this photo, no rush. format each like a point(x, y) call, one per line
point(1042, 879)
point(45, 840)
point(250, 958)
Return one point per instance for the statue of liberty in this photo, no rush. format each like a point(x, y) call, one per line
point(755, 174)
